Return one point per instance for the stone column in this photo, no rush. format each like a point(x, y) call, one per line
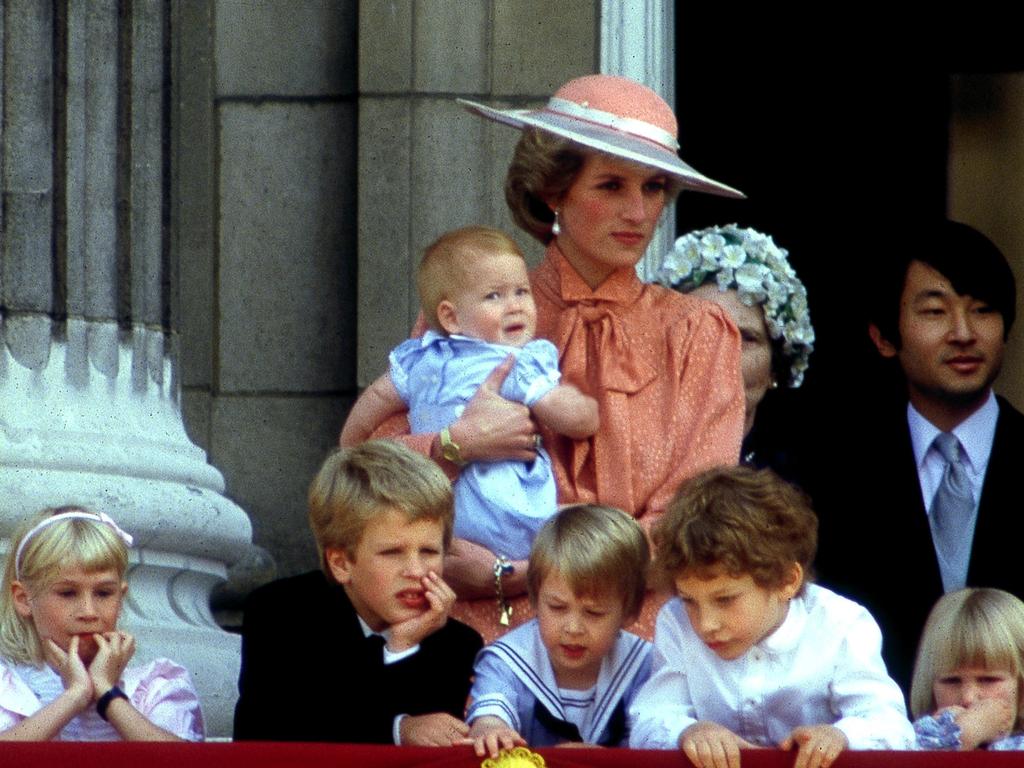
point(89, 395)
point(638, 41)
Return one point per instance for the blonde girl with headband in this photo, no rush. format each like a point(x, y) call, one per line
point(967, 685)
point(64, 665)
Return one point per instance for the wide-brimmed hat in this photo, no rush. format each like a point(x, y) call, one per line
point(614, 115)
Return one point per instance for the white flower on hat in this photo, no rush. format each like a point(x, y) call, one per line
point(724, 278)
point(750, 263)
point(750, 278)
point(711, 251)
point(733, 256)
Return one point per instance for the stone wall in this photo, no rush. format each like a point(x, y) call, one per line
point(426, 165)
point(265, 194)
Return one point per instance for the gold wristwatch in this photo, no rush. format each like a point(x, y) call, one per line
point(450, 449)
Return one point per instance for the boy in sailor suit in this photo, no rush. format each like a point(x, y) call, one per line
point(570, 674)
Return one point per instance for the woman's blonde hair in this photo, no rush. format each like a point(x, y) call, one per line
point(971, 627)
point(89, 544)
point(543, 168)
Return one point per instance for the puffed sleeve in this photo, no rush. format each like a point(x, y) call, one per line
point(165, 696)
point(16, 701)
point(703, 422)
point(534, 374)
point(868, 702)
point(400, 361)
point(663, 708)
point(397, 427)
point(495, 691)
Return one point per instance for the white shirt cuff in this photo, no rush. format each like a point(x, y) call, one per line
point(396, 730)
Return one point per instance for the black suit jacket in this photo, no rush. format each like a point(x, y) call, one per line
point(875, 544)
point(309, 674)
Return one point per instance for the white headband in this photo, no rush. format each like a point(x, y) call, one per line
point(96, 517)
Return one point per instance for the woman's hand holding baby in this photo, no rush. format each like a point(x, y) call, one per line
point(492, 428)
point(817, 745)
point(710, 745)
point(440, 599)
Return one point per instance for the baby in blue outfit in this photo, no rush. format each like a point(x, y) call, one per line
point(476, 297)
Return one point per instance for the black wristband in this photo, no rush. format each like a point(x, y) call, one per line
point(104, 701)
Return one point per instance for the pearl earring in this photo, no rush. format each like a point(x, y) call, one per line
point(556, 228)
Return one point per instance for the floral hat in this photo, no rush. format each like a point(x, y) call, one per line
point(614, 115)
point(750, 263)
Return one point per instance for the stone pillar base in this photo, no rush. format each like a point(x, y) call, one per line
point(93, 419)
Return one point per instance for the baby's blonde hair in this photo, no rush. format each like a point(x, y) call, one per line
point(89, 544)
point(597, 550)
point(448, 265)
point(971, 627)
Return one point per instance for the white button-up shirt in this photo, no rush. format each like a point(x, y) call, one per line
point(822, 666)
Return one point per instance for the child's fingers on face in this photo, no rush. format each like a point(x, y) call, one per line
point(435, 607)
point(124, 644)
point(50, 646)
point(433, 583)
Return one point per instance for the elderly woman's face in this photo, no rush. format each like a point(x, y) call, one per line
point(757, 346)
point(608, 216)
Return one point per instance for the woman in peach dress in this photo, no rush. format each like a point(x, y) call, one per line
point(590, 178)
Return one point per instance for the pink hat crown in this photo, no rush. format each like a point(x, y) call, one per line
point(624, 101)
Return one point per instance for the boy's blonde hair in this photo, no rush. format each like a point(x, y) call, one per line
point(88, 544)
point(981, 628)
point(354, 485)
point(741, 521)
point(447, 265)
point(597, 550)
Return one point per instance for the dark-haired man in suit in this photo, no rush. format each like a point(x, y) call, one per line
point(932, 506)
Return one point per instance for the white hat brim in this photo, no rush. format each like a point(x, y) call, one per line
point(606, 140)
